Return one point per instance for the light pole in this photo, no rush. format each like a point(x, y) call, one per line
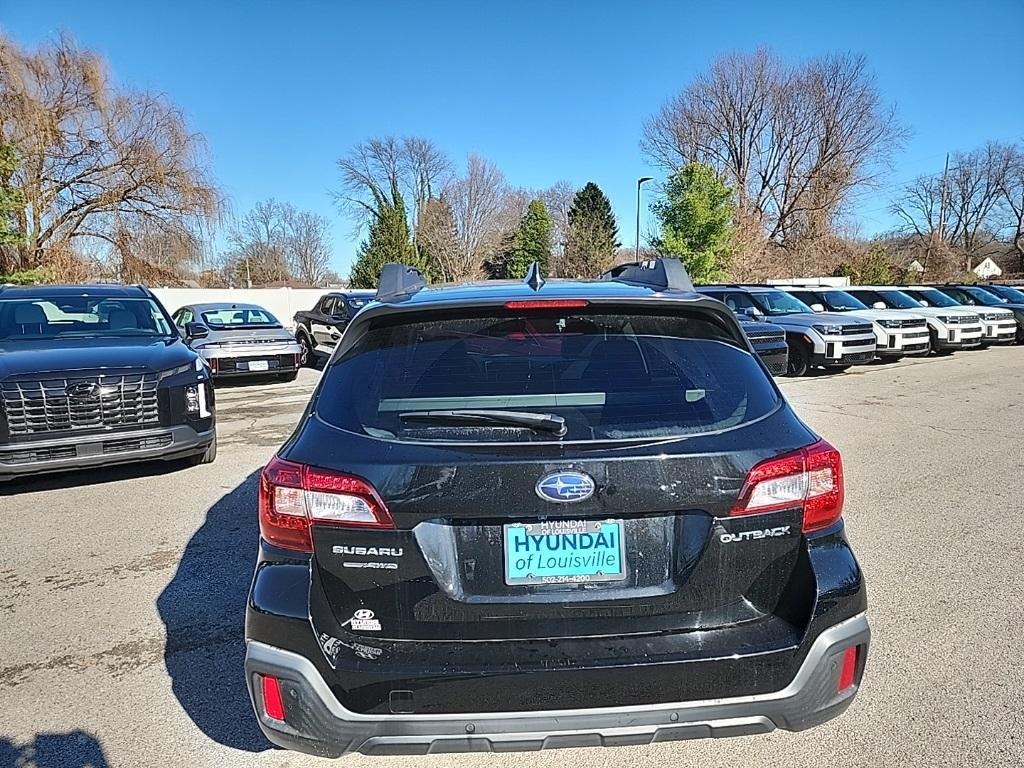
point(639, 183)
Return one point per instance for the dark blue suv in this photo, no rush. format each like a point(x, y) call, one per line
point(519, 516)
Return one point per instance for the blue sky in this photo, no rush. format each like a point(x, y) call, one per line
point(547, 90)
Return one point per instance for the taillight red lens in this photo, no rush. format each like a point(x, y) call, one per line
point(810, 479)
point(293, 497)
point(273, 704)
point(848, 673)
point(547, 304)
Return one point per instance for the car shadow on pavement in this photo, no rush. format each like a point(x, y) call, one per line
point(203, 611)
point(76, 749)
point(94, 476)
point(255, 380)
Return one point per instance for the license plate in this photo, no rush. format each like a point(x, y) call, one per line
point(564, 552)
point(259, 365)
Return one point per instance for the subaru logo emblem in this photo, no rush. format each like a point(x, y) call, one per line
point(82, 390)
point(565, 486)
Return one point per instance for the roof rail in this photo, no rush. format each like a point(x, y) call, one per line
point(399, 281)
point(659, 274)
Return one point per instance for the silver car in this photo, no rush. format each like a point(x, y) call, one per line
point(239, 340)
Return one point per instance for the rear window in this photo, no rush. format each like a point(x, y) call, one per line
point(238, 316)
point(606, 376)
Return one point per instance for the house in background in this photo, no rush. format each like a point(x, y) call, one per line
point(987, 269)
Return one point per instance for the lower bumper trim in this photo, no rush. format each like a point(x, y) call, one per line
point(83, 451)
point(319, 724)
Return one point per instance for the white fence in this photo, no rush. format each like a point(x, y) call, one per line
point(833, 282)
point(282, 302)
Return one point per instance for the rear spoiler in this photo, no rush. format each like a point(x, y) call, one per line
point(398, 282)
point(659, 274)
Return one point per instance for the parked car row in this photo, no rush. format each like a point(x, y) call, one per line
point(836, 328)
point(94, 375)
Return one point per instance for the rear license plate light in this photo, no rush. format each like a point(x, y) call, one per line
point(564, 552)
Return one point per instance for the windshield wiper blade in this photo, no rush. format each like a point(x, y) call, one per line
point(540, 422)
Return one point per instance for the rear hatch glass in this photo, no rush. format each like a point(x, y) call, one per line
point(504, 376)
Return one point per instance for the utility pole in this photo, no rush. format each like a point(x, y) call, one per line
point(942, 219)
point(639, 183)
point(942, 202)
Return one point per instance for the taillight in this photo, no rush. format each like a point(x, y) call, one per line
point(810, 479)
point(547, 304)
point(294, 497)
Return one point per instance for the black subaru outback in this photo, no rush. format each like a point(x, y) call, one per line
point(519, 516)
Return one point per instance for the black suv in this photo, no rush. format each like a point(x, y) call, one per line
point(518, 516)
point(93, 375)
point(318, 329)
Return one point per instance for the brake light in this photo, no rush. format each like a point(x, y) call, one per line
point(811, 479)
point(547, 304)
point(294, 497)
point(273, 704)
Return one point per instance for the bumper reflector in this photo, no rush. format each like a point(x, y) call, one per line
point(849, 671)
point(273, 705)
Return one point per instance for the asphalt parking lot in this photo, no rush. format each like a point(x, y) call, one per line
point(122, 592)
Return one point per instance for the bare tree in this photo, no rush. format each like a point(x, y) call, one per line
point(978, 203)
point(308, 245)
point(974, 191)
point(439, 242)
point(426, 169)
point(147, 252)
point(259, 242)
point(1012, 192)
point(919, 205)
point(375, 172)
point(794, 141)
point(558, 200)
point(480, 204)
point(96, 160)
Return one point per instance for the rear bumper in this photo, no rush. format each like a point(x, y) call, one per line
point(318, 724)
point(84, 451)
point(234, 361)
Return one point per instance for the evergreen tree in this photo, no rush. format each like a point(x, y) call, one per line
point(529, 243)
point(388, 243)
point(696, 217)
point(593, 235)
point(11, 199)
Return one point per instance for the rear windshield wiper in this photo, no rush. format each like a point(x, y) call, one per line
point(540, 422)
